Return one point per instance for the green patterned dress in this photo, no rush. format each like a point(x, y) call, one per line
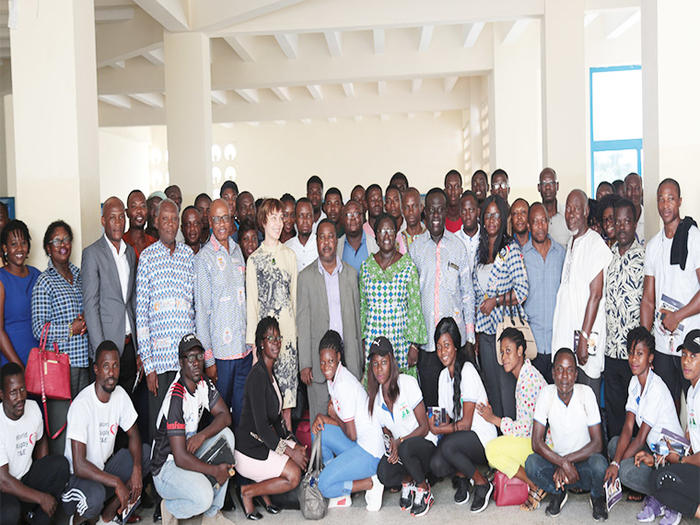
point(390, 306)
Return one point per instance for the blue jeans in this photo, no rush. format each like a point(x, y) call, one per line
point(230, 383)
point(345, 461)
point(188, 493)
point(590, 472)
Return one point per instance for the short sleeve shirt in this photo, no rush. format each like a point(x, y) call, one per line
point(18, 439)
point(472, 391)
point(179, 415)
point(568, 424)
point(653, 405)
point(94, 423)
point(350, 403)
point(693, 404)
point(401, 420)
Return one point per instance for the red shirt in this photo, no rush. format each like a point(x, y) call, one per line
point(453, 226)
point(149, 240)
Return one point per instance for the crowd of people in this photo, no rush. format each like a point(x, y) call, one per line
point(451, 335)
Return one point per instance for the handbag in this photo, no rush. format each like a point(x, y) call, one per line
point(511, 321)
point(312, 504)
point(48, 375)
point(509, 491)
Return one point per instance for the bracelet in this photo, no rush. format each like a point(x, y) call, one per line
point(70, 330)
point(281, 447)
point(584, 334)
point(614, 464)
point(498, 302)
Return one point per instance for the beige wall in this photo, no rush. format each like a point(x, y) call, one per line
point(124, 161)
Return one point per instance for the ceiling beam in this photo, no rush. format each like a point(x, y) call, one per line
point(289, 44)
point(333, 41)
point(155, 100)
point(349, 89)
point(416, 84)
point(143, 32)
point(118, 101)
point(449, 83)
point(588, 18)
point(426, 36)
point(171, 14)
point(381, 88)
point(249, 95)
point(240, 48)
point(315, 91)
point(282, 93)
point(210, 15)
point(155, 56)
point(113, 14)
point(472, 33)
point(378, 37)
point(219, 97)
point(516, 29)
point(626, 24)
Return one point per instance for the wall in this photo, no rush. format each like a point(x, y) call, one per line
point(124, 161)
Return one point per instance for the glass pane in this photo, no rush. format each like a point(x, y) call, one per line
point(612, 165)
point(617, 105)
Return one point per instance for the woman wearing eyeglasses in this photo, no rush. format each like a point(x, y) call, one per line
point(264, 446)
point(57, 299)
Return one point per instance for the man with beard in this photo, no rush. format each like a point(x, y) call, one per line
point(137, 211)
point(304, 244)
point(480, 186)
point(579, 317)
point(548, 188)
point(31, 481)
point(191, 226)
point(333, 208)
point(103, 482)
point(453, 190)
point(518, 221)
point(355, 246)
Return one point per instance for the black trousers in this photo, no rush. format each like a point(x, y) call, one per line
point(414, 454)
point(154, 402)
point(458, 452)
point(48, 474)
point(668, 367)
point(678, 487)
point(617, 380)
point(500, 386)
point(429, 368)
point(543, 363)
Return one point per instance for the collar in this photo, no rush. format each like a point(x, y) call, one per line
point(217, 245)
point(634, 247)
point(529, 246)
point(475, 236)
point(72, 267)
point(337, 373)
point(364, 239)
point(122, 246)
point(338, 267)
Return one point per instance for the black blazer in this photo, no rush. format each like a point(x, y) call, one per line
point(260, 428)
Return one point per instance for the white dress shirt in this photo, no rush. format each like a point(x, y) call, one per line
point(123, 271)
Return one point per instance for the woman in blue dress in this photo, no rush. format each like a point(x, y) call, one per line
point(17, 281)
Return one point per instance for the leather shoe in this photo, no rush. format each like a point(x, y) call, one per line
point(253, 516)
point(270, 509)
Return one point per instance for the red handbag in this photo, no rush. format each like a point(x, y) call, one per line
point(509, 491)
point(48, 375)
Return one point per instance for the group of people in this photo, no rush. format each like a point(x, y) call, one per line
point(430, 337)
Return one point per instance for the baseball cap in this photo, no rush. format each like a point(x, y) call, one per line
point(187, 343)
point(691, 342)
point(380, 346)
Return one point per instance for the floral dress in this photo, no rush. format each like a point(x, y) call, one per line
point(271, 290)
point(390, 305)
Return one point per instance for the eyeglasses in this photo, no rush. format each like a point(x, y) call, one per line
point(193, 358)
point(216, 220)
point(352, 215)
point(273, 338)
point(494, 216)
point(500, 186)
point(58, 241)
point(387, 231)
point(546, 183)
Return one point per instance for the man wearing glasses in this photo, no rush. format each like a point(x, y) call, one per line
point(220, 305)
point(548, 188)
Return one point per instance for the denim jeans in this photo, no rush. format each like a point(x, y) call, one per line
point(345, 461)
point(641, 478)
point(591, 473)
point(230, 383)
point(188, 493)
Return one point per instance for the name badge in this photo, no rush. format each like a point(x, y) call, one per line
point(453, 266)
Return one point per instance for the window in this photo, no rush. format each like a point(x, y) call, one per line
point(616, 123)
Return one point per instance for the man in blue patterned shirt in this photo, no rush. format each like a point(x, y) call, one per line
point(219, 293)
point(444, 271)
point(164, 305)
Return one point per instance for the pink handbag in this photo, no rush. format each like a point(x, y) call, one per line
point(509, 491)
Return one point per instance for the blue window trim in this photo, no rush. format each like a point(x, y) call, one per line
point(610, 145)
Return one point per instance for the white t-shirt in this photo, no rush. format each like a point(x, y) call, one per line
point(401, 420)
point(18, 438)
point(472, 391)
point(306, 254)
point(693, 406)
point(588, 257)
point(673, 285)
point(350, 403)
point(568, 424)
point(653, 406)
point(95, 423)
point(470, 243)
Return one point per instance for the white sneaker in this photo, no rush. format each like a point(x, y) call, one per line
point(340, 502)
point(373, 496)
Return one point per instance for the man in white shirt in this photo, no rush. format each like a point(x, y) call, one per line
point(303, 244)
point(671, 298)
point(108, 272)
point(574, 460)
point(579, 316)
point(103, 482)
point(470, 232)
point(314, 192)
point(31, 481)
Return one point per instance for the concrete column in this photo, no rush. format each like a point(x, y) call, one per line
point(54, 120)
point(670, 85)
point(564, 94)
point(188, 112)
point(476, 105)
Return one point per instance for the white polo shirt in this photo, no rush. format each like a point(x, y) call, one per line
point(401, 420)
point(306, 254)
point(568, 424)
point(693, 405)
point(350, 403)
point(18, 438)
point(673, 286)
point(472, 391)
point(95, 423)
point(653, 406)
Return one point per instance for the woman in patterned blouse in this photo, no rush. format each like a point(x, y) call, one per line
point(390, 297)
point(508, 452)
